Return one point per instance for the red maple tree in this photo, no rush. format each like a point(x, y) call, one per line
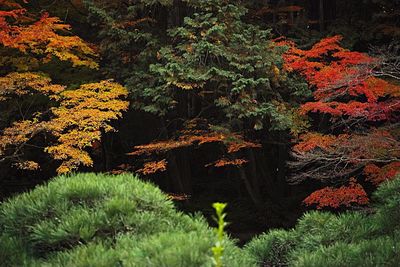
point(356, 114)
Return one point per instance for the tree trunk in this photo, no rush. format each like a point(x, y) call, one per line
point(253, 192)
point(180, 172)
point(174, 174)
point(186, 170)
point(321, 15)
point(104, 152)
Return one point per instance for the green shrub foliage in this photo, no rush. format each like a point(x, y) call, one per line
point(207, 58)
point(272, 249)
point(102, 220)
point(348, 239)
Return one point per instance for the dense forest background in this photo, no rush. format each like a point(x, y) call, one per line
point(270, 106)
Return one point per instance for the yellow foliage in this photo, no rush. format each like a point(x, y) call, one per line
point(78, 120)
point(27, 83)
point(81, 117)
point(18, 134)
point(27, 165)
point(77, 117)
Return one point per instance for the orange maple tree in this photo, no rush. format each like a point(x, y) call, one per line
point(69, 120)
point(360, 111)
point(44, 37)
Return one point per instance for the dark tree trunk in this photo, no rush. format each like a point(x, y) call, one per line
point(251, 189)
point(321, 15)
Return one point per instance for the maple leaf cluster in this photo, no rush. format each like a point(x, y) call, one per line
point(341, 78)
point(377, 175)
point(79, 119)
point(153, 167)
point(363, 111)
point(353, 194)
point(41, 38)
point(70, 121)
point(227, 162)
point(233, 142)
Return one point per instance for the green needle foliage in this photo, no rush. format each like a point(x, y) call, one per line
point(103, 220)
point(207, 63)
point(216, 60)
point(349, 239)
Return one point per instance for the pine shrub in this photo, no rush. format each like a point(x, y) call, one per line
point(103, 220)
point(272, 249)
point(347, 239)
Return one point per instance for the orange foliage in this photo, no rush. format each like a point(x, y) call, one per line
point(159, 147)
point(227, 162)
point(353, 194)
point(310, 141)
point(42, 38)
point(240, 144)
point(234, 142)
point(191, 136)
point(77, 117)
point(377, 175)
point(153, 167)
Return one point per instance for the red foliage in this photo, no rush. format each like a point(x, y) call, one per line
point(345, 88)
point(345, 153)
point(354, 194)
point(341, 78)
point(310, 141)
point(377, 175)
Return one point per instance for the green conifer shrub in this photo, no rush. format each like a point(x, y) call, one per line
point(103, 220)
point(272, 249)
point(348, 239)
